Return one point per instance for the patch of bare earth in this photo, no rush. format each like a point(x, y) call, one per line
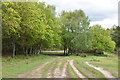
point(49, 74)
point(64, 70)
point(75, 69)
point(35, 73)
point(57, 72)
point(105, 72)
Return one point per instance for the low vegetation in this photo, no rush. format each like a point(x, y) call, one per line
point(108, 63)
point(19, 64)
point(12, 67)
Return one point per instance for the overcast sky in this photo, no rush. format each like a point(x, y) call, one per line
point(103, 12)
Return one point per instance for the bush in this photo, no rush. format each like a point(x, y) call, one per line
point(82, 54)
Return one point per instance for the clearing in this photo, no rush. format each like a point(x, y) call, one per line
point(58, 66)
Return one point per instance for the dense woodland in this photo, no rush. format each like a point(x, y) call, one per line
point(29, 27)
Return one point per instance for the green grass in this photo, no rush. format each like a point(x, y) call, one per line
point(14, 66)
point(71, 73)
point(54, 67)
point(47, 67)
point(45, 70)
point(63, 61)
point(85, 69)
point(53, 64)
point(109, 63)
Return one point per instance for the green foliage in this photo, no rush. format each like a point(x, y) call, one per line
point(76, 34)
point(101, 39)
point(34, 25)
point(10, 21)
point(116, 35)
point(30, 24)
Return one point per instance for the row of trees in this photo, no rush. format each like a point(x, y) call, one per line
point(30, 27)
point(78, 36)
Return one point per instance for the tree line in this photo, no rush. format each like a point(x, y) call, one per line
point(29, 27)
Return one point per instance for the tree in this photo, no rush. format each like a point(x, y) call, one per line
point(82, 37)
point(30, 27)
point(11, 24)
point(101, 39)
point(116, 35)
point(75, 31)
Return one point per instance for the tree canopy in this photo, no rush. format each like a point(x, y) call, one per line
point(76, 34)
point(33, 26)
point(101, 39)
point(30, 24)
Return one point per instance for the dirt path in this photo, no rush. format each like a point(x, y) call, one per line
point(35, 73)
point(57, 72)
point(75, 69)
point(49, 74)
point(106, 73)
point(50, 71)
point(64, 69)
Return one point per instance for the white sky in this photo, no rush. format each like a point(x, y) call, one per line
point(103, 12)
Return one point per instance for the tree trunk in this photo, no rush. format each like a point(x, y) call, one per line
point(26, 51)
point(40, 49)
point(34, 51)
point(40, 46)
point(13, 54)
point(64, 51)
point(76, 52)
point(30, 51)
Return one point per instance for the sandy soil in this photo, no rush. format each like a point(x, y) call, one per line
point(65, 69)
point(34, 74)
point(75, 69)
point(105, 72)
point(57, 72)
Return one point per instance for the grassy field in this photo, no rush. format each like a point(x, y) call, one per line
point(109, 63)
point(12, 67)
point(71, 73)
point(86, 70)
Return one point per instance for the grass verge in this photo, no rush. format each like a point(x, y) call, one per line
point(12, 67)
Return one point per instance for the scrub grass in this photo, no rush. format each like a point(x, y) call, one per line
point(71, 73)
point(12, 67)
point(109, 63)
point(86, 70)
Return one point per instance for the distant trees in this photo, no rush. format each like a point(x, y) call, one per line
point(75, 34)
point(116, 35)
point(101, 39)
point(79, 37)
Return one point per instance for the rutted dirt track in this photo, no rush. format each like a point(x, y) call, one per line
point(106, 73)
point(55, 71)
point(34, 74)
point(75, 69)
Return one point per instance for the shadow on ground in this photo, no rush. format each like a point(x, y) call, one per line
point(53, 54)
